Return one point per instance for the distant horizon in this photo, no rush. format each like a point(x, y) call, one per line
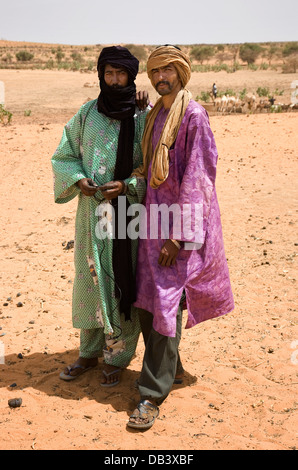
point(148, 44)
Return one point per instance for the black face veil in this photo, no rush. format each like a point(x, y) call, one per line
point(119, 104)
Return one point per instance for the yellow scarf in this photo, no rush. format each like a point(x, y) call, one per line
point(160, 159)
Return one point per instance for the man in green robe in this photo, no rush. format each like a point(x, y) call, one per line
point(99, 149)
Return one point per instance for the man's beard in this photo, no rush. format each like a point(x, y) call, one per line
point(117, 87)
point(164, 91)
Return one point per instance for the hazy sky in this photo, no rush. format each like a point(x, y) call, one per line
point(152, 22)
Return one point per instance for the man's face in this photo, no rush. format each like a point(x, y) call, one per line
point(115, 77)
point(166, 80)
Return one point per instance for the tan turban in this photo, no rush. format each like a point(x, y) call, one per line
point(165, 55)
point(161, 57)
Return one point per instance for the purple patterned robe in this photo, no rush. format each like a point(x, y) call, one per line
point(202, 273)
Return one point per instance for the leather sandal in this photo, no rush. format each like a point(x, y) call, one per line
point(146, 412)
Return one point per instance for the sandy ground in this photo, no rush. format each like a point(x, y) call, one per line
point(240, 390)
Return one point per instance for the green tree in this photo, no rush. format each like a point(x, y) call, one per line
point(59, 55)
point(138, 51)
point(202, 53)
point(24, 56)
point(273, 50)
point(249, 52)
point(290, 48)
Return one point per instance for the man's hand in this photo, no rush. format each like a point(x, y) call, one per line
point(112, 189)
point(142, 99)
point(87, 186)
point(168, 254)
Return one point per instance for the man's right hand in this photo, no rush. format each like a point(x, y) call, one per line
point(87, 186)
point(142, 100)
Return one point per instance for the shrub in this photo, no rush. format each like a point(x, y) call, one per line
point(138, 51)
point(290, 66)
point(278, 92)
point(290, 48)
point(49, 64)
point(76, 57)
point(263, 91)
point(205, 96)
point(24, 56)
point(242, 94)
point(249, 52)
point(59, 56)
point(76, 65)
point(228, 91)
point(5, 116)
point(252, 67)
point(202, 53)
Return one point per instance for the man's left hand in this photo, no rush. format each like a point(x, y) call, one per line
point(168, 254)
point(112, 189)
point(142, 100)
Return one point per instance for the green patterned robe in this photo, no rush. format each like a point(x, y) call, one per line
point(88, 149)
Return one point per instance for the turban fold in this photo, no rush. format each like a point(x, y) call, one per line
point(159, 156)
point(118, 56)
point(165, 55)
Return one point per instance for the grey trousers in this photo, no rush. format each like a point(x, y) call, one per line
point(161, 359)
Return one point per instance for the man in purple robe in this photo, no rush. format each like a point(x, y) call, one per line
point(183, 259)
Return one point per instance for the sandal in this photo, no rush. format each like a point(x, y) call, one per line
point(109, 374)
point(145, 411)
point(178, 381)
point(68, 377)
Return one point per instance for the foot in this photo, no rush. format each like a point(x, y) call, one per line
point(78, 368)
point(178, 378)
point(111, 376)
point(179, 373)
point(143, 416)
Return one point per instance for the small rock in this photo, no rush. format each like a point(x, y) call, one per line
point(19, 294)
point(20, 304)
point(69, 245)
point(5, 304)
point(20, 356)
point(13, 385)
point(15, 402)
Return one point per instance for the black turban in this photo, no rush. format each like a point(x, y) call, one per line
point(118, 56)
point(119, 104)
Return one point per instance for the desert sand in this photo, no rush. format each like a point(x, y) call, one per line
point(240, 389)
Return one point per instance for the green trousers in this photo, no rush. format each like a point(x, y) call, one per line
point(118, 350)
point(161, 359)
